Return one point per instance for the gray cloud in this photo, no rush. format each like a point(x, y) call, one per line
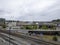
point(30, 9)
point(50, 13)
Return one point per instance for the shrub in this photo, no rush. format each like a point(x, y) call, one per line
point(55, 38)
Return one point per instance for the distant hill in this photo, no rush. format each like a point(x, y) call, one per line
point(57, 20)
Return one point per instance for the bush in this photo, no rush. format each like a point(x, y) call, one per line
point(4, 26)
point(44, 27)
point(55, 38)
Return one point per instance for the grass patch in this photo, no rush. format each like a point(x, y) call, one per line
point(49, 37)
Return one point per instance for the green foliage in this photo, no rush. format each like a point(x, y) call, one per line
point(35, 27)
point(44, 27)
point(4, 26)
point(52, 27)
point(2, 22)
point(48, 27)
point(55, 38)
point(57, 20)
point(30, 27)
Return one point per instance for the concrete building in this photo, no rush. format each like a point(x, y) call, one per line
point(11, 25)
point(21, 24)
point(17, 25)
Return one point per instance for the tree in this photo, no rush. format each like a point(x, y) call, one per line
point(57, 20)
point(4, 26)
point(34, 26)
point(55, 38)
point(2, 22)
point(44, 27)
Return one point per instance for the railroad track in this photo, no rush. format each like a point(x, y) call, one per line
point(31, 38)
point(16, 40)
point(37, 40)
point(8, 39)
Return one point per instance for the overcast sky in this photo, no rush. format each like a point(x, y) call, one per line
point(30, 10)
